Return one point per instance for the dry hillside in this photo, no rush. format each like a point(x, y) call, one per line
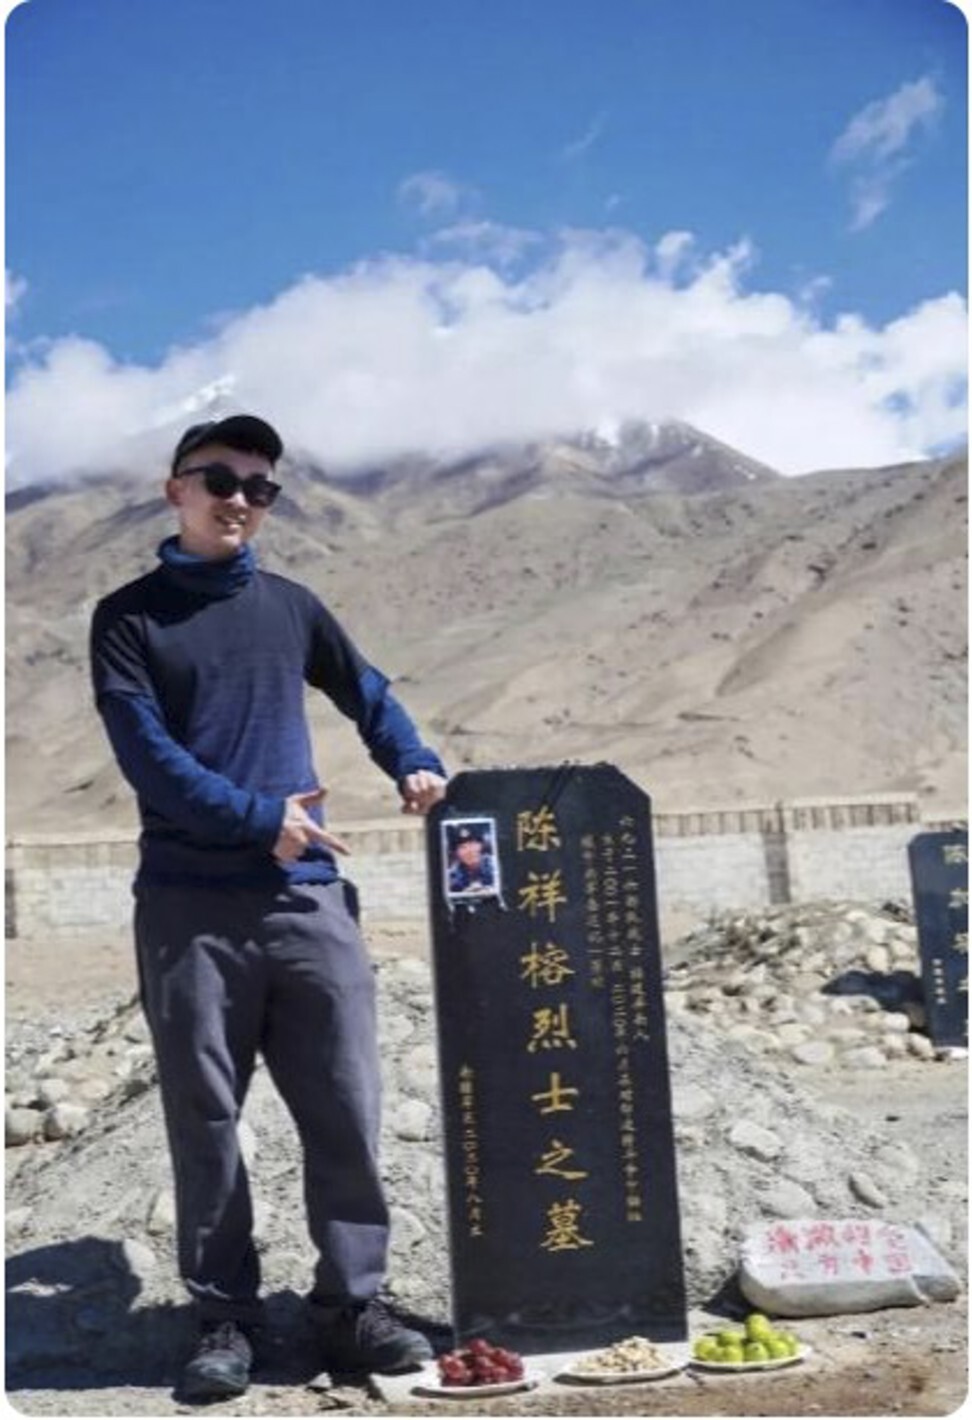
point(719, 632)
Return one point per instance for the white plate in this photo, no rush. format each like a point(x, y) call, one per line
point(676, 1360)
point(774, 1365)
point(528, 1381)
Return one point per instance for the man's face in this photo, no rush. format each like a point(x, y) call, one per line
point(469, 852)
point(214, 527)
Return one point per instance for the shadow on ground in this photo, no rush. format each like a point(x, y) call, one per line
point(73, 1322)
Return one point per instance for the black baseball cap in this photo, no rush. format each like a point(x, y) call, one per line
point(239, 431)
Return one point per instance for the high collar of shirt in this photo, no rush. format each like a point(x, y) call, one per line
point(208, 576)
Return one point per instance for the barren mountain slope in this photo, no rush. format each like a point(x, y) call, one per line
point(769, 638)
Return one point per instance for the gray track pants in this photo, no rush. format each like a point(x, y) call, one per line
point(224, 975)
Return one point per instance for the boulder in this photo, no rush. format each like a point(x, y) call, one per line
point(824, 1267)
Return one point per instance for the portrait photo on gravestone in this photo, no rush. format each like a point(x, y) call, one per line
point(471, 868)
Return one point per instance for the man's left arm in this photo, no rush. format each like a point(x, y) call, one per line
point(361, 692)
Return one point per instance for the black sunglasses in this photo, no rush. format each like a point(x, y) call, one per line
point(222, 482)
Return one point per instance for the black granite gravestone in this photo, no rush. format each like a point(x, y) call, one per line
point(563, 1209)
point(940, 885)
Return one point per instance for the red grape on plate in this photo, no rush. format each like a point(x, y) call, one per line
point(480, 1363)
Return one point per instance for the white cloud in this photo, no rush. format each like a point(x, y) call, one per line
point(671, 250)
point(434, 193)
point(579, 147)
point(874, 147)
point(14, 290)
point(444, 354)
point(883, 128)
point(490, 241)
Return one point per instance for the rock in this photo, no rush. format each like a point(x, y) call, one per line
point(937, 1229)
point(920, 1046)
point(813, 1052)
point(51, 1091)
point(248, 1142)
point(137, 1030)
point(17, 1218)
point(134, 1086)
point(786, 1199)
point(867, 1057)
point(864, 1187)
point(692, 1101)
point(936, 1280)
point(92, 1090)
point(753, 1139)
point(814, 1015)
point(422, 1060)
point(63, 1121)
point(136, 1057)
point(21, 1126)
point(48, 1062)
point(262, 1219)
point(407, 1229)
point(845, 1036)
point(784, 1268)
point(878, 959)
point(161, 1216)
point(808, 983)
point(413, 1120)
point(733, 983)
point(776, 979)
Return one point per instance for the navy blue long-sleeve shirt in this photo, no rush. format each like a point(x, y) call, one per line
point(199, 671)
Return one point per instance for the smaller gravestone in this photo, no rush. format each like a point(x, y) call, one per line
point(940, 885)
point(825, 1266)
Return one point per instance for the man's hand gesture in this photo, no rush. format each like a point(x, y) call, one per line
point(299, 831)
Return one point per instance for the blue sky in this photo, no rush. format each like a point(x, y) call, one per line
point(388, 224)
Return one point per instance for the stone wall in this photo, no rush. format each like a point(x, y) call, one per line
point(746, 856)
point(60, 885)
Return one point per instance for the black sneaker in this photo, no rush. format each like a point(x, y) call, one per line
point(365, 1336)
point(221, 1363)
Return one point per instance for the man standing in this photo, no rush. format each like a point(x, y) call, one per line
point(245, 934)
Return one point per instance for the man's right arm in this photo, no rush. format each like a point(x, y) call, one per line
point(173, 782)
point(164, 774)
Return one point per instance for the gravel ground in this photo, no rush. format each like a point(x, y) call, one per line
point(906, 1361)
